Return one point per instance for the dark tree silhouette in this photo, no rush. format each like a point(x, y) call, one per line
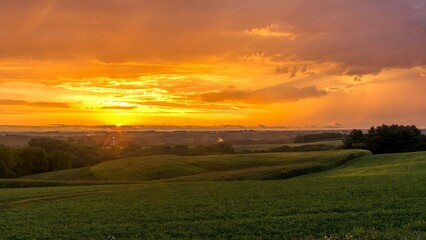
point(59, 160)
point(317, 137)
point(31, 160)
point(6, 162)
point(354, 140)
point(387, 139)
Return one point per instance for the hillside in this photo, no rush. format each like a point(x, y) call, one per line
point(412, 163)
point(371, 197)
point(214, 167)
point(259, 147)
point(77, 174)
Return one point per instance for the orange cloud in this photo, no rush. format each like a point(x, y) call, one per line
point(277, 93)
point(119, 107)
point(273, 30)
point(180, 60)
point(35, 104)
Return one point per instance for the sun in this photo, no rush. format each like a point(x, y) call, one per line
point(118, 125)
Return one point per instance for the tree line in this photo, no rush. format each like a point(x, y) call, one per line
point(387, 139)
point(316, 137)
point(47, 154)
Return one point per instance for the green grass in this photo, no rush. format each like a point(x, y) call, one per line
point(334, 143)
point(201, 168)
point(413, 163)
point(346, 202)
point(78, 174)
point(258, 147)
point(26, 183)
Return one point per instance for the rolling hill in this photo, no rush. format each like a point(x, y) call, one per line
point(206, 168)
point(370, 197)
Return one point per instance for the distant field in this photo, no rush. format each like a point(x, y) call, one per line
point(371, 197)
point(258, 147)
point(202, 168)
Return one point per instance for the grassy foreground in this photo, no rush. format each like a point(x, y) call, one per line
point(347, 202)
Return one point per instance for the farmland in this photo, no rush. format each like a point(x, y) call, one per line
point(370, 197)
point(259, 147)
point(213, 167)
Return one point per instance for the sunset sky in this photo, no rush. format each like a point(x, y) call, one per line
point(298, 63)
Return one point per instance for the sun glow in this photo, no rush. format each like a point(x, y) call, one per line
point(280, 68)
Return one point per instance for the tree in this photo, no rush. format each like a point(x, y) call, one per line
point(354, 139)
point(49, 144)
point(198, 150)
point(6, 162)
point(317, 137)
point(387, 139)
point(59, 160)
point(181, 150)
point(31, 160)
point(220, 148)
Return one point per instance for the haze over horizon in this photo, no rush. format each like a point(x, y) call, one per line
point(349, 64)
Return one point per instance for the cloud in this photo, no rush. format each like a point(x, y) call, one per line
point(361, 37)
point(35, 104)
point(333, 124)
point(191, 106)
point(173, 54)
point(119, 107)
point(277, 93)
point(292, 70)
point(273, 30)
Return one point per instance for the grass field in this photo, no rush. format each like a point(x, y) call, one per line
point(371, 197)
point(258, 147)
point(201, 168)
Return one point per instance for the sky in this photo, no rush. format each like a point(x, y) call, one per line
point(304, 63)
